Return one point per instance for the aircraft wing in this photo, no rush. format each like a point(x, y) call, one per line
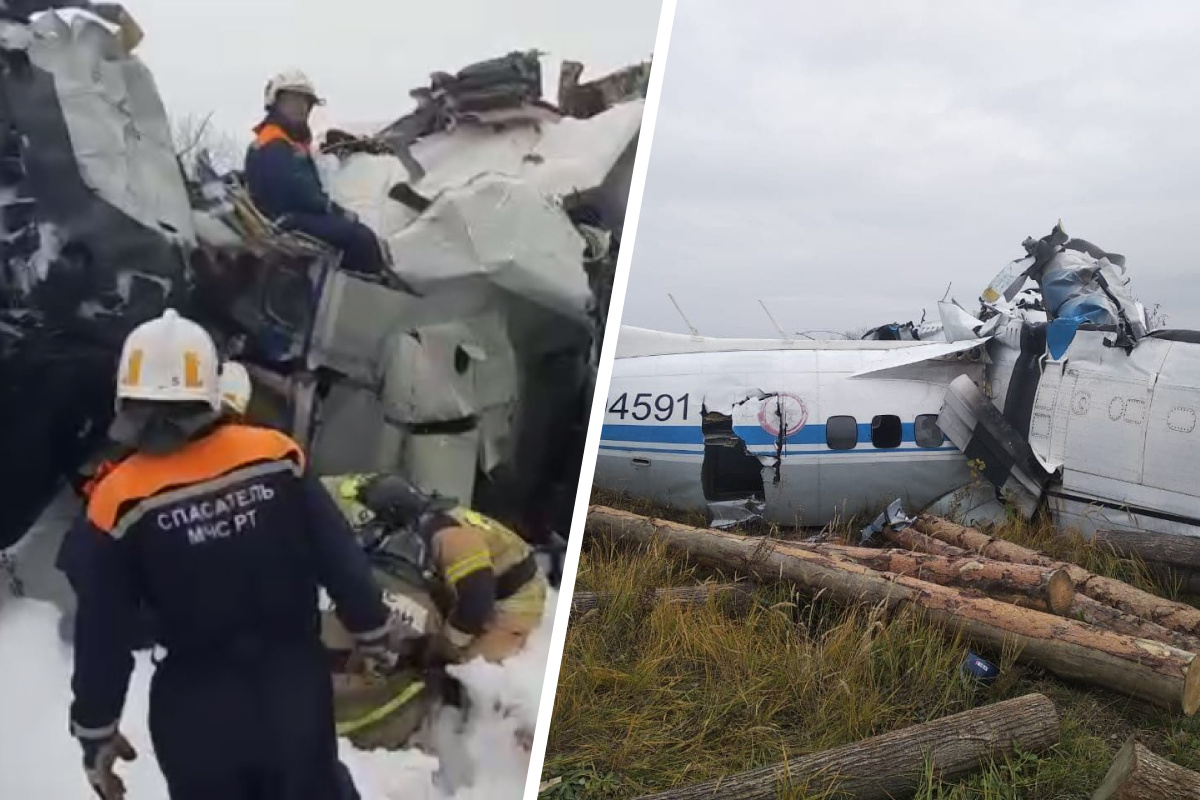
point(915, 355)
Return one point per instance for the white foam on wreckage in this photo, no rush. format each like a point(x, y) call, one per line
point(38, 758)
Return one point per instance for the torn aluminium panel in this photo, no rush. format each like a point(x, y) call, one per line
point(1081, 281)
point(728, 514)
point(977, 428)
point(892, 517)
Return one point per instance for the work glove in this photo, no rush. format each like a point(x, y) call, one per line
point(378, 658)
point(427, 653)
point(99, 758)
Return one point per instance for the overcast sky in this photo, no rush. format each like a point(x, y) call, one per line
point(365, 55)
point(845, 162)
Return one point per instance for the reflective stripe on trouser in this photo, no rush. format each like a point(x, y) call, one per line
point(377, 713)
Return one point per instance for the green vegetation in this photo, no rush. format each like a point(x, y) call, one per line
point(658, 695)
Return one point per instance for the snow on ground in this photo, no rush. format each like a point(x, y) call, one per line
point(39, 759)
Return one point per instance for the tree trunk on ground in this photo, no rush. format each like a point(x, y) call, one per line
point(1175, 558)
point(1082, 608)
point(1152, 671)
point(1175, 616)
point(891, 765)
point(1096, 613)
point(739, 594)
point(1164, 548)
point(1138, 774)
point(1053, 587)
point(911, 539)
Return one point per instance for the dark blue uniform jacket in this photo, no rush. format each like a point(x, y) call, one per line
point(227, 541)
point(282, 176)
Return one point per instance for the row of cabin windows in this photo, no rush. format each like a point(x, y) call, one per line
point(841, 432)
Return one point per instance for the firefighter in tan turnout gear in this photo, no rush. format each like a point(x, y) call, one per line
point(462, 584)
point(458, 583)
point(482, 576)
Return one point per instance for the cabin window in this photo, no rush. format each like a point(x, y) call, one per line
point(841, 433)
point(927, 432)
point(886, 431)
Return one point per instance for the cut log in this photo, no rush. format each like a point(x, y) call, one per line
point(1152, 671)
point(1082, 608)
point(891, 765)
point(911, 539)
point(1169, 614)
point(1138, 774)
point(1162, 548)
point(739, 594)
point(1096, 613)
point(1053, 587)
point(1174, 558)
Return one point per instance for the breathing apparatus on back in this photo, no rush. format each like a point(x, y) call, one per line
point(392, 522)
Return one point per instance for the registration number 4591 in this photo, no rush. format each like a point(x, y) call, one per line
point(663, 407)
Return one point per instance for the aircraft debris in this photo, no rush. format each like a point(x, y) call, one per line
point(468, 365)
point(586, 99)
point(893, 517)
point(1052, 394)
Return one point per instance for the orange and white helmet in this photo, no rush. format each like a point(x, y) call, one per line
point(169, 360)
point(292, 80)
point(235, 388)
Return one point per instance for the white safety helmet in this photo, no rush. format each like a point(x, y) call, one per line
point(292, 80)
point(171, 360)
point(235, 387)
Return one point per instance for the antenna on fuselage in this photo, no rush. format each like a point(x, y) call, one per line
point(683, 316)
point(767, 311)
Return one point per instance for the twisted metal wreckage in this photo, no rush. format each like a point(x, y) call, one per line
point(1054, 394)
point(502, 210)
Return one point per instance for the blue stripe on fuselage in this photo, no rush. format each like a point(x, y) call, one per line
point(752, 435)
point(612, 448)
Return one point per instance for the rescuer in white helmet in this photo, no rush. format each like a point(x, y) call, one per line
point(236, 389)
point(220, 530)
point(285, 185)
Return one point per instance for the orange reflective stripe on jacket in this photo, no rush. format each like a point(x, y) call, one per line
point(103, 469)
point(271, 132)
point(227, 450)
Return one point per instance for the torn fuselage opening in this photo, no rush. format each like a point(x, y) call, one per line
point(781, 422)
point(729, 471)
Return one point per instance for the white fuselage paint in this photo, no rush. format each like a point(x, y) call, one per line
point(655, 449)
point(1124, 429)
point(1121, 429)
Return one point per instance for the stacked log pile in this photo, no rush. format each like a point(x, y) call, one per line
point(1068, 621)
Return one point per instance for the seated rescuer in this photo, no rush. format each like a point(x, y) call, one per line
point(486, 580)
point(282, 177)
point(224, 533)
